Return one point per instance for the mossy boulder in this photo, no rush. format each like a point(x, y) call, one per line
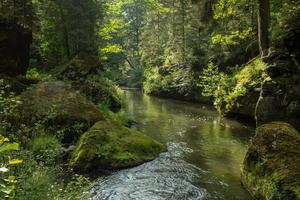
point(101, 90)
point(271, 166)
point(110, 145)
point(79, 67)
point(84, 74)
point(56, 104)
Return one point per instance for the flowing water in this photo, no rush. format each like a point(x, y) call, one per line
point(204, 156)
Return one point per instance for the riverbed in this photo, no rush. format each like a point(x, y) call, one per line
point(203, 161)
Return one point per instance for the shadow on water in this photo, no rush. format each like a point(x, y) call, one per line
point(203, 160)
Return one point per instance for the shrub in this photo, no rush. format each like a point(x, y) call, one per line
point(76, 189)
point(37, 181)
point(34, 74)
point(9, 103)
point(46, 149)
point(153, 79)
point(7, 179)
point(227, 88)
point(37, 185)
point(166, 81)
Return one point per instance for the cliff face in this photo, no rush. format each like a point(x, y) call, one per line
point(14, 48)
point(280, 93)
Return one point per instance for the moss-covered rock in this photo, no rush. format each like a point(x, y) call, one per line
point(57, 104)
point(271, 167)
point(110, 145)
point(101, 90)
point(79, 67)
point(84, 74)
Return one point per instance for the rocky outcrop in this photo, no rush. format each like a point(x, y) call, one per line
point(78, 68)
point(271, 166)
point(84, 74)
point(57, 105)
point(14, 48)
point(280, 94)
point(110, 145)
point(244, 106)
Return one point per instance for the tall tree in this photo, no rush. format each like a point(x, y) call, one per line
point(263, 26)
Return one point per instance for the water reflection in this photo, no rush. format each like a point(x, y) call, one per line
point(203, 158)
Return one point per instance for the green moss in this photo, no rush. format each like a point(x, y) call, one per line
point(119, 118)
point(271, 166)
point(55, 104)
point(246, 82)
point(61, 100)
point(111, 145)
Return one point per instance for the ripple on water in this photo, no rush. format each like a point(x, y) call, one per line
point(166, 177)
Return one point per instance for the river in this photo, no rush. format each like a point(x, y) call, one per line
point(204, 156)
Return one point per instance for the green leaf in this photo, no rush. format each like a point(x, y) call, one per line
point(3, 140)
point(15, 162)
point(9, 147)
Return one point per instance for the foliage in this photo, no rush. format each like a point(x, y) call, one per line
point(177, 81)
point(9, 103)
point(37, 185)
point(46, 149)
point(7, 179)
point(76, 189)
point(210, 80)
point(236, 19)
point(58, 36)
point(227, 88)
point(34, 74)
point(38, 181)
point(20, 12)
point(39, 175)
point(286, 19)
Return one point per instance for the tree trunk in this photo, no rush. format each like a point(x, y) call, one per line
point(263, 26)
point(64, 29)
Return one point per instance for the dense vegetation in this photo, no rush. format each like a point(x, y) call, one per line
point(61, 62)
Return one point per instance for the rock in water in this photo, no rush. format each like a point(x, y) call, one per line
point(14, 52)
point(272, 163)
point(110, 145)
point(57, 104)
